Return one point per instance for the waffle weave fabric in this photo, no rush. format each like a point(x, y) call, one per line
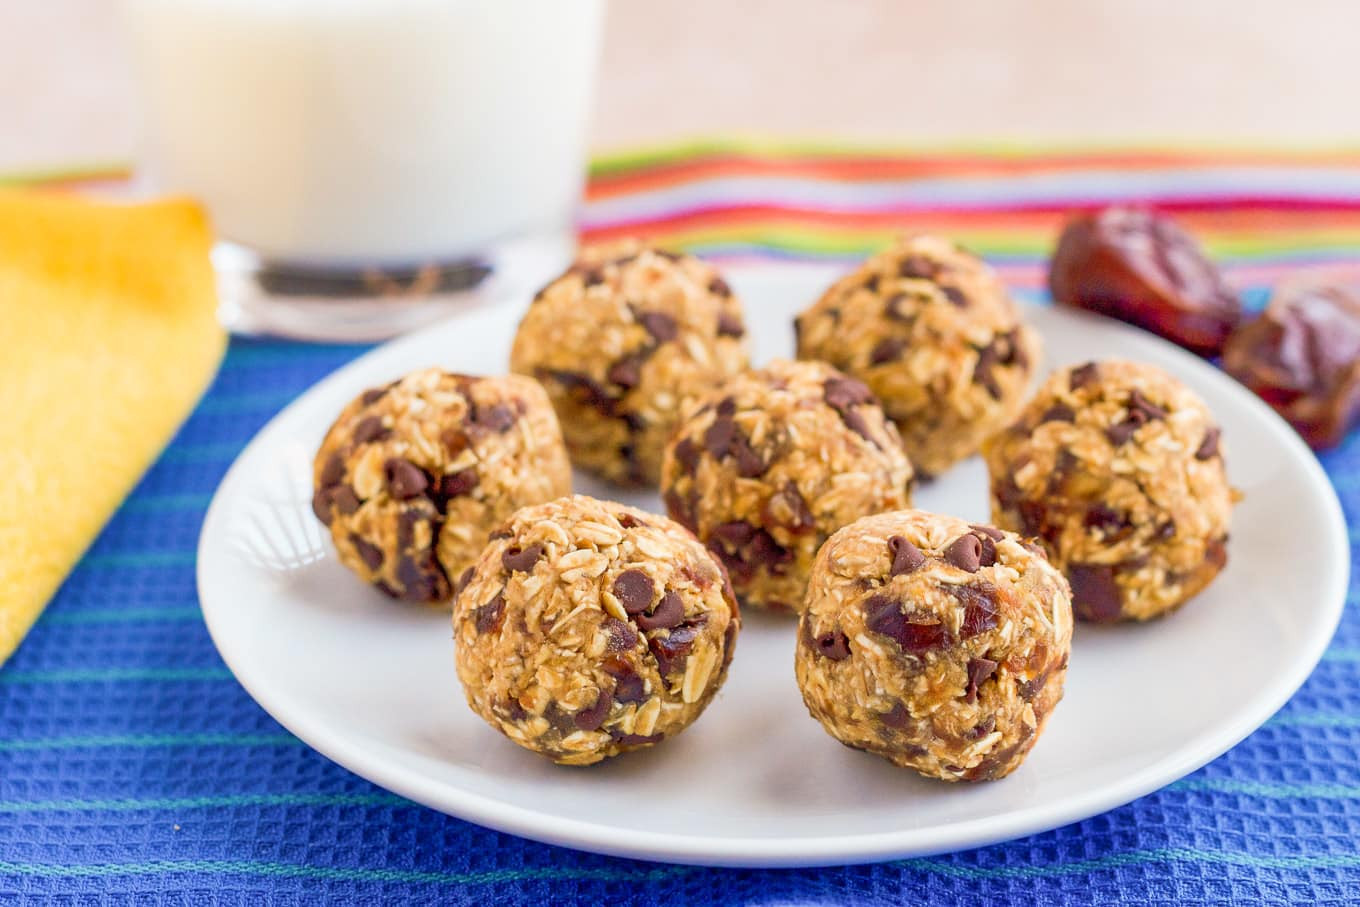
point(134, 769)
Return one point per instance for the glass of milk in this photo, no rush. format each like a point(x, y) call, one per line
point(370, 165)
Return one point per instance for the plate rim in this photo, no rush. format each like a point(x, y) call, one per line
point(806, 851)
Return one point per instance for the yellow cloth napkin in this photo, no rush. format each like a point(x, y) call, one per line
point(108, 336)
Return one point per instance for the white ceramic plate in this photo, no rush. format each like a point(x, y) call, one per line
point(756, 782)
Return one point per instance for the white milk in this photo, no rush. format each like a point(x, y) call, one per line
point(370, 131)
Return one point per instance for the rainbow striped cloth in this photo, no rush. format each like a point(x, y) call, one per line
point(134, 768)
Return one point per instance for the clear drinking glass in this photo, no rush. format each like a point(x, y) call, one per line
point(370, 165)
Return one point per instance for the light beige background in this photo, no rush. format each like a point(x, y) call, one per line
point(1274, 72)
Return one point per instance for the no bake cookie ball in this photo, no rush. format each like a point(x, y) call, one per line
point(621, 342)
point(412, 476)
point(939, 645)
point(587, 629)
point(1117, 469)
point(772, 463)
point(930, 328)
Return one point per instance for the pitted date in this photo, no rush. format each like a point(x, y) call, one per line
point(1302, 356)
point(1142, 267)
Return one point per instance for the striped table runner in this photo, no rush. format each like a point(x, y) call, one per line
point(133, 767)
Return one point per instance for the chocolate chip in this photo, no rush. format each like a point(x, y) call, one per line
point(965, 552)
point(457, 484)
point(727, 407)
point(895, 309)
point(981, 729)
point(1104, 518)
point(407, 521)
point(1082, 375)
point(896, 717)
point(735, 533)
point(669, 612)
point(622, 636)
point(854, 420)
point(515, 559)
point(718, 287)
point(370, 429)
point(369, 553)
point(730, 325)
point(1165, 531)
point(681, 508)
point(889, 349)
point(344, 500)
point(463, 581)
point(988, 358)
point(488, 617)
point(634, 590)
point(834, 645)
point(669, 255)
point(321, 505)
point(687, 455)
point(954, 295)
point(627, 372)
point(585, 391)
point(979, 669)
point(590, 719)
point(979, 608)
point(788, 508)
point(502, 532)
point(987, 555)
point(1120, 432)
point(423, 579)
point(917, 266)
point(333, 472)
point(404, 478)
point(750, 464)
point(592, 276)
point(883, 615)
point(906, 557)
point(1095, 594)
point(373, 395)
point(718, 437)
point(842, 393)
point(768, 553)
point(1209, 446)
point(498, 418)
point(1141, 404)
point(1058, 412)
point(637, 739)
point(871, 283)
point(991, 532)
point(671, 650)
point(661, 326)
point(628, 686)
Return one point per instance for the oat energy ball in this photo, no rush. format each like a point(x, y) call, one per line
point(775, 461)
point(938, 645)
point(587, 629)
point(930, 328)
point(412, 476)
point(1117, 469)
point(622, 341)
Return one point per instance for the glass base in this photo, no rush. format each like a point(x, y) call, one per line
point(361, 304)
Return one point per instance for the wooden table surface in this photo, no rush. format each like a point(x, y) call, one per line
point(1026, 70)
